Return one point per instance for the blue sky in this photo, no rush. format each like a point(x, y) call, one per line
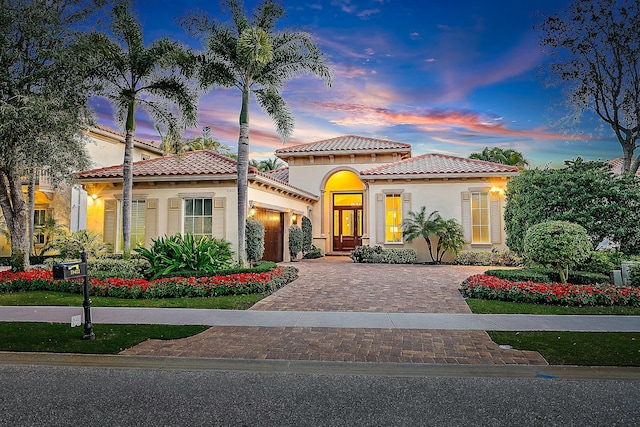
point(446, 77)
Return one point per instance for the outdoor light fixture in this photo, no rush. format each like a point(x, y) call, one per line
point(252, 211)
point(294, 218)
point(94, 196)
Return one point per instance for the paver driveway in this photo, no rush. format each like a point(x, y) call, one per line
point(337, 284)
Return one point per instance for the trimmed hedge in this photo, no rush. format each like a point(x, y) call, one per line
point(378, 254)
point(260, 267)
point(548, 275)
point(493, 257)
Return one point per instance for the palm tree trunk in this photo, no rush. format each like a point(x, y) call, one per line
point(127, 181)
point(243, 170)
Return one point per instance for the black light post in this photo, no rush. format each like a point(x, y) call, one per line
point(86, 303)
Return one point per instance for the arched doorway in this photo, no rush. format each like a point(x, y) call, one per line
point(344, 197)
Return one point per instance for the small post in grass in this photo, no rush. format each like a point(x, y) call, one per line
point(73, 270)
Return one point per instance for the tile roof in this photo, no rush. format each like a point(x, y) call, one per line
point(344, 144)
point(280, 174)
point(191, 163)
point(616, 166)
point(439, 164)
point(148, 143)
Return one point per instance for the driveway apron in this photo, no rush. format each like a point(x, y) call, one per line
point(335, 284)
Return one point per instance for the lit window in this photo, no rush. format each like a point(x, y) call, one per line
point(480, 217)
point(39, 216)
point(198, 217)
point(393, 218)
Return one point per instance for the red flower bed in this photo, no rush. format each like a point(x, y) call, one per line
point(483, 286)
point(233, 284)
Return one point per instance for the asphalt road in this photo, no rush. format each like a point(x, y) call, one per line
point(150, 396)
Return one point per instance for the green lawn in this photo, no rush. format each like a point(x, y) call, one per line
point(577, 348)
point(479, 306)
point(567, 348)
point(227, 302)
point(61, 338)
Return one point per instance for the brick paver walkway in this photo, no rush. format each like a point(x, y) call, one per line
point(337, 284)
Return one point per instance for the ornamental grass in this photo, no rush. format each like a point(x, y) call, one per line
point(483, 286)
point(174, 287)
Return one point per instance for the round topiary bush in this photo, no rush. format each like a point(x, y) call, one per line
point(561, 244)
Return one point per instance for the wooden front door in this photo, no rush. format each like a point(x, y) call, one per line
point(273, 234)
point(347, 221)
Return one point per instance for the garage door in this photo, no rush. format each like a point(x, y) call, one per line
point(273, 234)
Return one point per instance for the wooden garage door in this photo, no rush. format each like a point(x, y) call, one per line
point(273, 234)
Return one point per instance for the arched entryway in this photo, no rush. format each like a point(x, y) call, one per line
point(344, 200)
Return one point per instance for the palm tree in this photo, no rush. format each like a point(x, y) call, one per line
point(269, 164)
point(134, 76)
point(419, 224)
point(498, 155)
point(250, 55)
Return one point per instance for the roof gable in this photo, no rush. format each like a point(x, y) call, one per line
point(344, 145)
point(439, 164)
point(106, 130)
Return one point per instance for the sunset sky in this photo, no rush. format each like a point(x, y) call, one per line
point(445, 77)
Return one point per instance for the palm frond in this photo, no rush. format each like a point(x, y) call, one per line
point(272, 103)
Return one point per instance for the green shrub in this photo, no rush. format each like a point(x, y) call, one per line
point(259, 267)
point(70, 246)
point(600, 262)
point(519, 275)
point(307, 235)
point(549, 275)
point(102, 275)
point(634, 275)
point(378, 254)
point(558, 243)
point(366, 253)
point(505, 258)
point(134, 267)
point(295, 241)
point(177, 252)
point(255, 240)
point(314, 253)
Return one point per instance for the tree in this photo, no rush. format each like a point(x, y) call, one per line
point(295, 241)
point(585, 193)
point(595, 51)
point(255, 240)
point(152, 78)
point(558, 243)
point(251, 56)
point(448, 233)
point(270, 164)
point(43, 102)
point(498, 155)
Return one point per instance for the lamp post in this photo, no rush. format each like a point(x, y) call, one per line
point(86, 302)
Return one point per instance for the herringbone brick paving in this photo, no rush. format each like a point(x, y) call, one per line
point(337, 284)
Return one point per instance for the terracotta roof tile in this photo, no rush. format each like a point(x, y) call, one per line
point(280, 174)
point(348, 143)
point(146, 142)
point(201, 162)
point(433, 164)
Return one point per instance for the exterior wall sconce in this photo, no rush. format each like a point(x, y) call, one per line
point(252, 211)
point(294, 218)
point(94, 196)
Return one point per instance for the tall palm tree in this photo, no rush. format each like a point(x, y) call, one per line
point(498, 155)
point(151, 78)
point(248, 54)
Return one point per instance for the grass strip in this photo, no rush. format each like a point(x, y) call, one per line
point(479, 306)
point(577, 348)
point(61, 338)
point(226, 302)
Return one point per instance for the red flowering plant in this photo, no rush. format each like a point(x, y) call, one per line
point(483, 286)
point(233, 284)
